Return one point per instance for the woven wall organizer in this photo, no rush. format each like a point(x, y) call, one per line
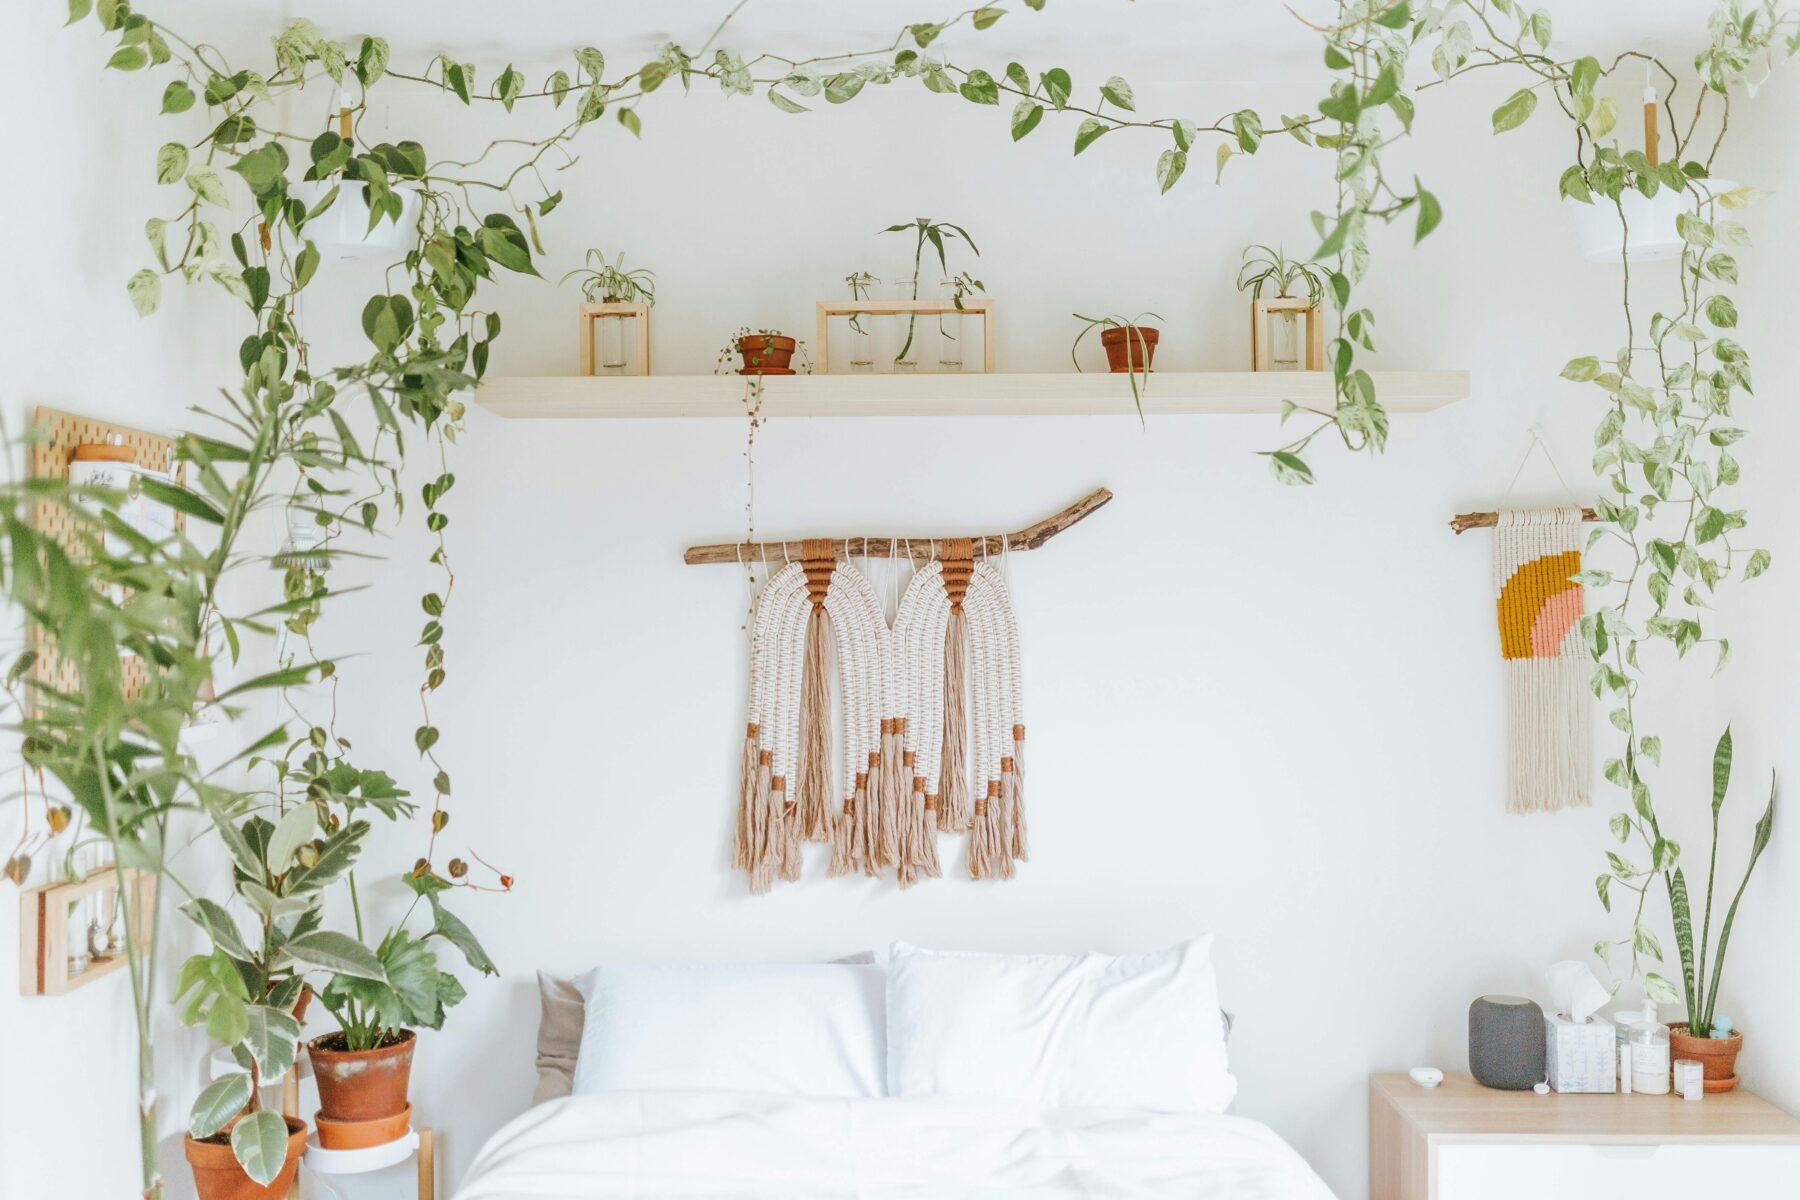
point(930, 717)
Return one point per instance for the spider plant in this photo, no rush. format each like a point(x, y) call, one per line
point(1264, 267)
point(925, 230)
point(605, 282)
point(1138, 376)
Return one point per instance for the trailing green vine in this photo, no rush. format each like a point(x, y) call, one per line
point(285, 435)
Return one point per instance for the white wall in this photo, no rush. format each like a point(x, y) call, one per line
point(1758, 693)
point(83, 152)
point(1271, 713)
point(1287, 731)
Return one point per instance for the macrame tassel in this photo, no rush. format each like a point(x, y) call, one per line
point(844, 850)
point(1020, 843)
point(864, 833)
point(921, 844)
point(1000, 817)
point(765, 828)
point(813, 795)
point(745, 839)
point(785, 835)
point(890, 812)
point(953, 783)
point(981, 839)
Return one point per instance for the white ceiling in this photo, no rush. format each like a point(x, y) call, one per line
point(1145, 39)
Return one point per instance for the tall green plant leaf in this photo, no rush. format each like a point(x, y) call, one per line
point(260, 1143)
point(222, 1100)
point(1764, 828)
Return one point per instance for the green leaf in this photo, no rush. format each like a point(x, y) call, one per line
point(1582, 370)
point(1089, 132)
point(260, 1143)
point(180, 499)
point(336, 952)
point(1248, 127)
point(1025, 117)
point(218, 925)
point(1721, 770)
point(1057, 86)
point(335, 857)
point(1289, 468)
point(128, 58)
point(222, 1100)
point(629, 119)
point(1722, 312)
point(178, 97)
point(446, 925)
point(293, 831)
point(79, 9)
point(1169, 168)
point(145, 290)
point(1430, 213)
point(1118, 92)
point(1516, 111)
point(784, 104)
point(1395, 17)
point(842, 87)
point(270, 1040)
point(980, 88)
point(986, 16)
point(306, 265)
point(228, 1020)
point(1759, 562)
point(207, 185)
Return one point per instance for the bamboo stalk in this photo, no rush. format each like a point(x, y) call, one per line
point(1463, 522)
point(892, 546)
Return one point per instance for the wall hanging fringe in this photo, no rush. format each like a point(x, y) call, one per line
point(1539, 606)
point(928, 712)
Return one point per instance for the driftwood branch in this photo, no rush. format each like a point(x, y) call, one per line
point(1463, 522)
point(888, 545)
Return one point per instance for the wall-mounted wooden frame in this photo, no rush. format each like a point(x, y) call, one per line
point(982, 307)
point(1262, 350)
point(590, 317)
point(44, 929)
point(57, 434)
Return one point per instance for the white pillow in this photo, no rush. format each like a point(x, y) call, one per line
point(1138, 1031)
point(813, 1030)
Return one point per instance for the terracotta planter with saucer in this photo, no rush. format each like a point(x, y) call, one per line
point(359, 1135)
point(361, 1085)
point(1717, 1056)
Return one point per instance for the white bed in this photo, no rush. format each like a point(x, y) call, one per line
point(924, 1074)
point(653, 1145)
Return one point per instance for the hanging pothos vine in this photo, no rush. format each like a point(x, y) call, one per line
point(285, 436)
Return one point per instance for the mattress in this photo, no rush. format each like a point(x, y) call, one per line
point(706, 1144)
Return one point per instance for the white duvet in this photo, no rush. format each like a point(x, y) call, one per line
point(705, 1144)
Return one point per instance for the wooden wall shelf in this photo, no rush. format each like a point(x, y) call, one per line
point(44, 929)
point(972, 394)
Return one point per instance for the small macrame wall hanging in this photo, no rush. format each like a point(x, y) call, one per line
point(874, 739)
point(1538, 605)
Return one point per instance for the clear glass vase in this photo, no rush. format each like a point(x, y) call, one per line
point(1284, 339)
point(950, 328)
point(610, 352)
point(908, 329)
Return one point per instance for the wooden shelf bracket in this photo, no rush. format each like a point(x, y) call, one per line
point(889, 545)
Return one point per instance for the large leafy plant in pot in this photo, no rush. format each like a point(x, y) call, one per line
point(247, 991)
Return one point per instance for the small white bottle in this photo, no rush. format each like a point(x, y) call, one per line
point(1650, 1053)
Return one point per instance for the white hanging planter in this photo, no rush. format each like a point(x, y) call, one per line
point(1648, 232)
point(342, 231)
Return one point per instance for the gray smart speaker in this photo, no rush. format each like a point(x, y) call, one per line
point(1506, 1043)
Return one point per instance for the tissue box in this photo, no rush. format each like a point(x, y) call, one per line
point(1580, 1056)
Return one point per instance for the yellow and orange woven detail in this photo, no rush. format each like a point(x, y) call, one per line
point(1538, 605)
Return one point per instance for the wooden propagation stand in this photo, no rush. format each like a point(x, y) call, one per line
point(44, 929)
point(981, 306)
point(1262, 347)
point(589, 319)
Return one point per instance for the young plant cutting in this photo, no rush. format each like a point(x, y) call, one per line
point(292, 803)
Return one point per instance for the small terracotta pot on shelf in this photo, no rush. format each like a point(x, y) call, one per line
point(359, 1135)
point(219, 1176)
point(766, 354)
point(1127, 345)
point(1717, 1056)
point(361, 1085)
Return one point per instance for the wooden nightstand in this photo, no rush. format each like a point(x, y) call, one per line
point(1461, 1141)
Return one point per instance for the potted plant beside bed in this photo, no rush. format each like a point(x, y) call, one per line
point(247, 992)
point(364, 1068)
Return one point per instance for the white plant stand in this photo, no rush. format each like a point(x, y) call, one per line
point(326, 1165)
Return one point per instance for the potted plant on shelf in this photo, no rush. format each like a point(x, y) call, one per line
point(936, 233)
point(247, 992)
point(763, 351)
point(1130, 348)
point(615, 294)
point(1705, 1036)
point(1275, 323)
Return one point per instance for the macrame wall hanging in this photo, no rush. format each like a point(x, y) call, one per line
point(1538, 604)
point(927, 712)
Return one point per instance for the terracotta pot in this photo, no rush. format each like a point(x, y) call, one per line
point(361, 1085)
point(765, 350)
point(217, 1175)
point(1124, 346)
point(1717, 1056)
point(356, 1135)
point(301, 1005)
